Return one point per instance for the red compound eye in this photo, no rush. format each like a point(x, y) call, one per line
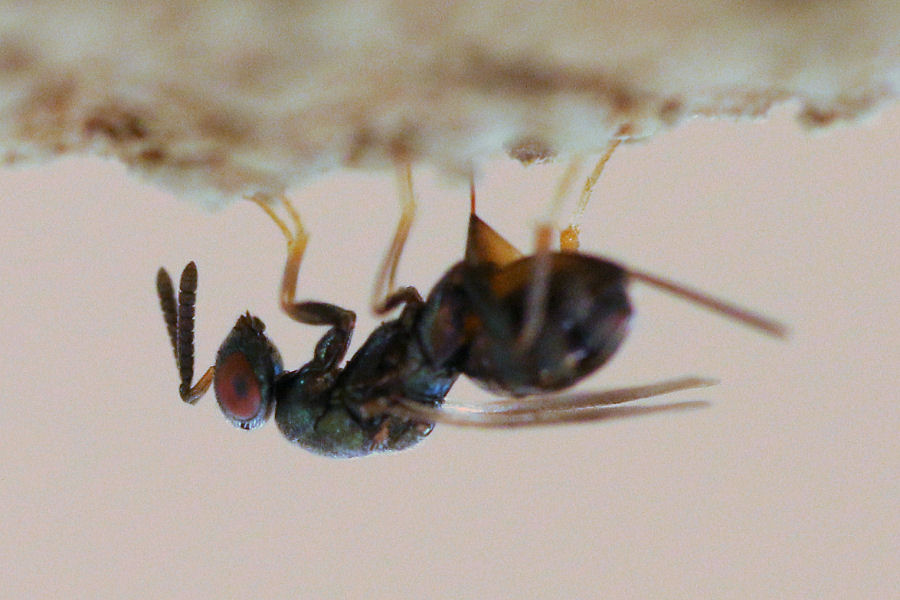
point(237, 388)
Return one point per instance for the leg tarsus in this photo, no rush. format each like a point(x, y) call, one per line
point(262, 201)
point(568, 237)
point(387, 273)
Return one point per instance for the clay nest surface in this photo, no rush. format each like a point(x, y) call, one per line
point(220, 100)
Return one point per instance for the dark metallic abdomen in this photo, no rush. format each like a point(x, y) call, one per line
point(583, 322)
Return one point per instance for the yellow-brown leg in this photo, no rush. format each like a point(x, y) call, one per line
point(568, 237)
point(384, 295)
point(311, 313)
point(296, 245)
point(537, 292)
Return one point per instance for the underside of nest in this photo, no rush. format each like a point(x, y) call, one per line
point(216, 101)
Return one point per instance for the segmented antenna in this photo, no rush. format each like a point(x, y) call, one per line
point(187, 298)
point(166, 294)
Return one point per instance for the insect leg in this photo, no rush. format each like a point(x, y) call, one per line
point(384, 295)
point(179, 318)
point(334, 344)
point(535, 303)
point(568, 237)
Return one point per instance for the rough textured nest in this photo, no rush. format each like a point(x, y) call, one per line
point(217, 100)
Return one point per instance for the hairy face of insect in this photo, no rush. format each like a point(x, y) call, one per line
point(246, 367)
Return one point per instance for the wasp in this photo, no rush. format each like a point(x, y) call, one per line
point(522, 326)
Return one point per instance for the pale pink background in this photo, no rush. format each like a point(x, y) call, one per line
point(785, 487)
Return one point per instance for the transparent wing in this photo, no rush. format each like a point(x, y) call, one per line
point(553, 409)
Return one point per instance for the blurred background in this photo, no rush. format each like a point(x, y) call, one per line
point(785, 486)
